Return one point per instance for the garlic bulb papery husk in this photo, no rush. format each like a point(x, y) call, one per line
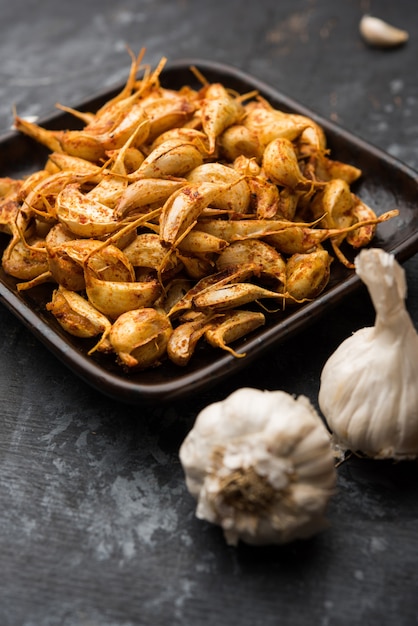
point(261, 466)
point(369, 386)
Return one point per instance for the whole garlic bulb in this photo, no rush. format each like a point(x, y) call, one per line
point(260, 465)
point(369, 386)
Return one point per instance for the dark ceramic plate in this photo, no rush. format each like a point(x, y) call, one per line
point(386, 184)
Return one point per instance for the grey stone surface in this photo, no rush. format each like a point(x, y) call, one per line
point(96, 525)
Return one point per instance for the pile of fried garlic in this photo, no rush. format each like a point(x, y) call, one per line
point(171, 214)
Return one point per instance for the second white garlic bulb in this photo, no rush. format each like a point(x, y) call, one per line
point(369, 385)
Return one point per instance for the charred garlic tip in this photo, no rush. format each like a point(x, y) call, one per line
point(369, 385)
point(378, 33)
point(260, 465)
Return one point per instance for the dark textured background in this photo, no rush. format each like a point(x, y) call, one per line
point(96, 526)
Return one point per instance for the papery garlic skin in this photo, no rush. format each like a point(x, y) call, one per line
point(369, 386)
point(260, 465)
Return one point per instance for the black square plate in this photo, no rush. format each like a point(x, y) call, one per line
point(386, 184)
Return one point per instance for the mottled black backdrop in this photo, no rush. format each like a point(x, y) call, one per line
point(96, 526)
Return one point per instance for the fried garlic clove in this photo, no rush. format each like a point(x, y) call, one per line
point(233, 230)
point(30, 182)
point(166, 112)
point(308, 274)
point(139, 337)
point(144, 192)
point(77, 165)
point(65, 270)
point(224, 277)
point(326, 169)
point(235, 193)
point(25, 260)
point(265, 197)
point(266, 124)
point(334, 204)
point(198, 242)
point(196, 266)
point(182, 134)
point(76, 315)
point(268, 260)
point(280, 164)
point(185, 337)
point(42, 197)
point(134, 125)
point(221, 298)
point(219, 110)
point(236, 141)
point(173, 157)
point(363, 235)
point(114, 298)
point(83, 216)
point(107, 262)
point(231, 326)
point(146, 250)
point(183, 208)
point(246, 166)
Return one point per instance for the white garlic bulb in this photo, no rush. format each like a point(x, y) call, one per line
point(260, 465)
point(369, 386)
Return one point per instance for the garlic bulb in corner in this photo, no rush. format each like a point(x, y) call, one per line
point(260, 465)
point(369, 386)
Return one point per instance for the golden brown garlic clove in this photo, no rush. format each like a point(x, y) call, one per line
point(139, 337)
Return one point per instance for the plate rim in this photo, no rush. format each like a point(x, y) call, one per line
point(121, 387)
